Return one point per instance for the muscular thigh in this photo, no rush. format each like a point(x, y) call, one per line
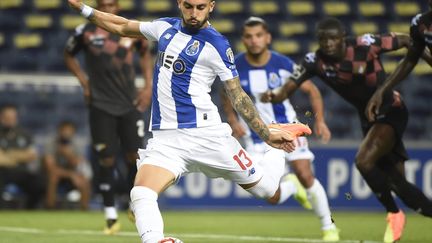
point(379, 141)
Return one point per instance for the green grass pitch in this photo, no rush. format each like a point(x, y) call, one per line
point(201, 226)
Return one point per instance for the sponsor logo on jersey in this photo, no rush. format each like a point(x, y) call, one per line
point(193, 48)
point(368, 39)
point(310, 57)
point(179, 66)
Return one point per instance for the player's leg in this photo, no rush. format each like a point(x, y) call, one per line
point(158, 167)
point(131, 126)
point(272, 162)
point(302, 177)
point(378, 142)
point(103, 127)
point(83, 186)
point(150, 181)
point(300, 161)
point(411, 195)
point(52, 181)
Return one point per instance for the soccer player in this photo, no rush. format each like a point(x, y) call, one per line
point(259, 69)
point(420, 25)
point(115, 105)
point(188, 134)
point(351, 66)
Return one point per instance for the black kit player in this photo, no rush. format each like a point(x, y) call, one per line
point(421, 35)
point(351, 66)
point(115, 104)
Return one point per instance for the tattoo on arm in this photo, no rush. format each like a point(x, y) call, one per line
point(244, 106)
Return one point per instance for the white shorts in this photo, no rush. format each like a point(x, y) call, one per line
point(211, 150)
point(301, 152)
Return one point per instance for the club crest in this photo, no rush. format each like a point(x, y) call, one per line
point(193, 48)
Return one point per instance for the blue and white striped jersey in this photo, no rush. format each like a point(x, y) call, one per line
point(257, 80)
point(187, 65)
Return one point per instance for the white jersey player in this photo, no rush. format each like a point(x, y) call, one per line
point(188, 134)
point(261, 69)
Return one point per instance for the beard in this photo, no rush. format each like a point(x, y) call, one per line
point(194, 26)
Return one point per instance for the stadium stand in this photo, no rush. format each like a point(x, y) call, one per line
point(33, 34)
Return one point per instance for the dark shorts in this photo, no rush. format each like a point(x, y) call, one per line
point(108, 130)
point(397, 117)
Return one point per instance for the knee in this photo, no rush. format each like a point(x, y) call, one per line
point(362, 163)
point(266, 188)
point(144, 194)
point(306, 178)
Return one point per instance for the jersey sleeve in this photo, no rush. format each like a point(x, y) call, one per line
point(76, 41)
point(418, 44)
point(380, 43)
point(305, 70)
point(153, 30)
point(221, 60)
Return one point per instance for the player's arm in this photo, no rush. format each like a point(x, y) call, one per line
point(75, 68)
point(415, 50)
point(231, 115)
point(244, 106)
point(144, 95)
point(317, 104)
point(110, 22)
point(278, 95)
point(401, 72)
point(23, 156)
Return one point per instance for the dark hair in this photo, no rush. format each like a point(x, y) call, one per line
point(330, 23)
point(255, 21)
point(8, 106)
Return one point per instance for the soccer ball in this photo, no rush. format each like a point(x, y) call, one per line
point(170, 240)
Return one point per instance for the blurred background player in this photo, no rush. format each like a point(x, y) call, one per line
point(191, 55)
point(351, 66)
point(66, 166)
point(113, 100)
point(260, 69)
point(18, 158)
point(420, 25)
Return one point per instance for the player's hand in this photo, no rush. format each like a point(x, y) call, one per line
point(143, 99)
point(267, 96)
point(281, 140)
point(282, 136)
point(322, 131)
point(87, 95)
point(374, 105)
point(238, 130)
point(75, 4)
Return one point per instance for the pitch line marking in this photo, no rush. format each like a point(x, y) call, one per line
point(186, 235)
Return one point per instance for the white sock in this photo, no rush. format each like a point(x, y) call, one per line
point(110, 213)
point(149, 222)
point(287, 188)
point(318, 198)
